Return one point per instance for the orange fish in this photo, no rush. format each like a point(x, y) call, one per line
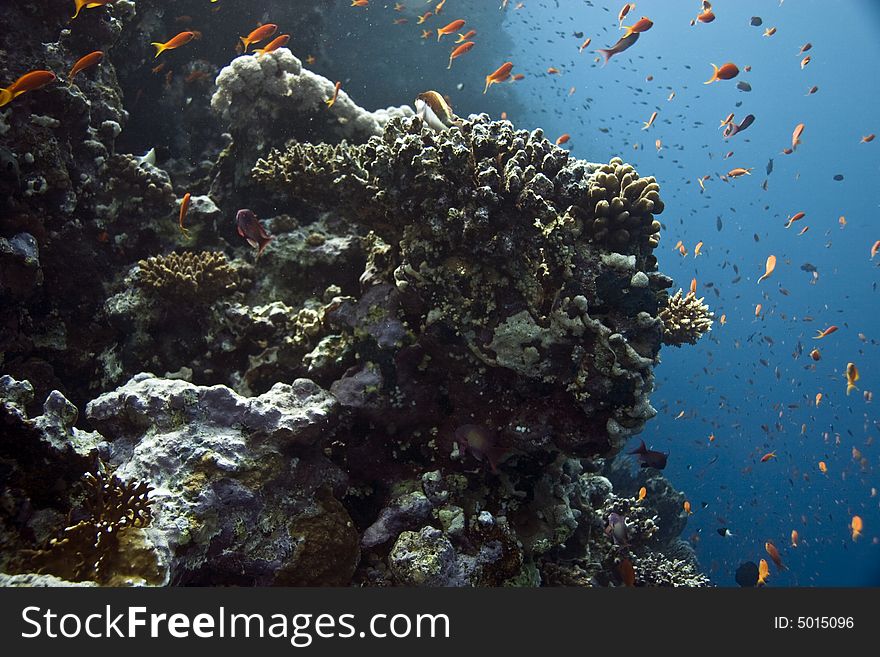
point(758, 310)
point(803, 230)
point(819, 396)
point(806, 60)
point(856, 526)
point(867, 139)
point(424, 17)
point(584, 44)
point(499, 75)
point(768, 267)
point(698, 249)
point(796, 136)
point(874, 248)
point(517, 77)
point(852, 375)
point(795, 217)
point(682, 250)
point(727, 71)
point(330, 101)
point(706, 17)
point(763, 572)
point(273, 45)
point(28, 82)
point(842, 221)
point(439, 7)
point(658, 144)
point(563, 139)
point(180, 40)
point(768, 456)
point(650, 121)
point(805, 48)
point(360, 3)
point(79, 5)
point(552, 71)
point(257, 35)
point(774, 554)
point(823, 467)
point(450, 28)
point(628, 7)
point(794, 538)
point(739, 171)
point(769, 32)
point(184, 206)
point(427, 34)
point(687, 508)
point(643, 493)
point(642, 25)
point(467, 35)
point(816, 354)
point(83, 63)
point(822, 334)
point(459, 51)
point(727, 120)
point(723, 320)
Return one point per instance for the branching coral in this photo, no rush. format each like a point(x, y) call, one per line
point(188, 276)
point(100, 547)
point(685, 319)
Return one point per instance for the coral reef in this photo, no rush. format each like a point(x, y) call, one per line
point(685, 319)
point(193, 277)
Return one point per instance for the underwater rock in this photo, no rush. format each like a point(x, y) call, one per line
point(685, 319)
point(223, 465)
point(20, 269)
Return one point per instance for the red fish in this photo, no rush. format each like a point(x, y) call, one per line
point(257, 35)
point(622, 44)
point(83, 63)
point(27, 82)
point(822, 334)
point(727, 71)
point(250, 228)
point(184, 206)
point(774, 554)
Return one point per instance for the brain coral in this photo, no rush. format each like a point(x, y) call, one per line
point(525, 275)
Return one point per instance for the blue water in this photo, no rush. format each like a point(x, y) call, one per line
point(721, 385)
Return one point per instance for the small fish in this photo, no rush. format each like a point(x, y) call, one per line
point(723, 320)
point(177, 41)
point(360, 3)
point(454, 26)
point(795, 217)
point(650, 458)
point(466, 36)
point(584, 45)
point(742, 85)
point(818, 399)
point(621, 45)
point(628, 7)
point(706, 16)
point(768, 456)
point(795, 538)
point(825, 333)
point(627, 572)
point(84, 62)
point(642, 25)
point(816, 355)
point(732, 128)
point(698, 249)
point(259, 34)
point(758, 309)
point(852, 375)
point(774, 554)
point(823, 467)
point(805, 48)
point(806, 60)
point(79, 5)
point(552, 71)
point(617, 529)
point(867, 139)
point(763, 572)
point(856, 526)
point(650, 121)
point(332, 100)
point(693, 291)
point(643, 493)
point(756, 21)
point(250, 228)
point(459, 51)
point(724, 532)
point(499, 75)
point(273, 45)
point(184, 206)
point(563, 139)
point(28, 82)
point(687, 508)
point(769, 31)
point(727, 71)
point(875, 247)
point(739, 171)
point(768, 267)
point(812, 90)
point(796, 136)
point(424, 17)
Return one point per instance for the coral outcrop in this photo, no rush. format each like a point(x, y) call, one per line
point(685, 319)
point(193, 277)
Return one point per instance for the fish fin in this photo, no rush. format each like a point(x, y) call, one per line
point(160, 47)
point(252, 242)
point(641, 449)
point(607, 53)
point(714, 75)
point(6, 97)
point(244, 43)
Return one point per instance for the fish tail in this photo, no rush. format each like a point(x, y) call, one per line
point(79, 5)
point(160, 48)
point(6, 97)
point(629, 30)
point(714, 75)
point(606, 53)
point(244, 43)
point(488, 82)
point(450, 63)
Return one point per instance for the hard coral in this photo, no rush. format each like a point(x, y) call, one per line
point(685, 319)
point(204, 276)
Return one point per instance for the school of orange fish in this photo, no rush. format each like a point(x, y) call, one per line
point(437, 22)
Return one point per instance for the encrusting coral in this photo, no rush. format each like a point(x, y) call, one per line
point(203, 276)
point(685, 319)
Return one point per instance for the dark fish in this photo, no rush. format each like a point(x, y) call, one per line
point(770, 166)
point(617, 529)
point(808, 267)
point(724, 531)
point(742, 85)
point(756, 21)
point(747, 574)
point(578, 35)
point(718, 224)
point(838, 177)
point(732, 128)
point(250, 228)
point(621, 45)
point(650, 458)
